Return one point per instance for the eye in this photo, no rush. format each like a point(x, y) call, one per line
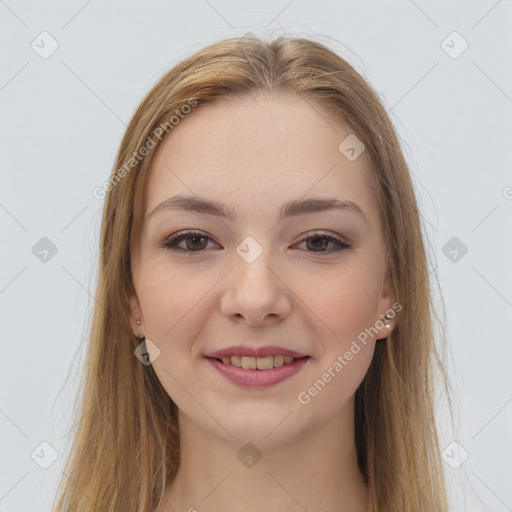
point(321, 241)
point(196, 242)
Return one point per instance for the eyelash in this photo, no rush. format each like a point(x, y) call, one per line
point(171, 242)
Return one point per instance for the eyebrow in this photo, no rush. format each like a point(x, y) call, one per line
point(289, 209)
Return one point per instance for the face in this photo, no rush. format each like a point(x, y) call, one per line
point(311, 283)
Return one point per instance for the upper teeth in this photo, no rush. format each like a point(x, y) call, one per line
point(260, 363)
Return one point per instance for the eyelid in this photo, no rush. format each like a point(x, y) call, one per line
point(181, 235)
point(319, 233)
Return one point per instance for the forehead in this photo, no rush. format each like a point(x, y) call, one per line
point(255, 153)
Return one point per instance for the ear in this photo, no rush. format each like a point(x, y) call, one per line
point(136, 314)
point(387, 305)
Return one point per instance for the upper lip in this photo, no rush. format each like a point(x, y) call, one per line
point(267, 350)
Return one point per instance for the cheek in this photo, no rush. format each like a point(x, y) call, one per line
point(337, 383)
point(173, 303)
point(170, 298)
point(344, 300)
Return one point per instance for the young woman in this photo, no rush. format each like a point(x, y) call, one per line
point(263, 334)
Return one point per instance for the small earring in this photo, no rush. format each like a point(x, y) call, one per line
point(140, 336)
point(387, 318)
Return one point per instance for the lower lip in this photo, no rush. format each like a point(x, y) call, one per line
point(258, 378)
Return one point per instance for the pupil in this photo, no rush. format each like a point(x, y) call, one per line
point(195, 237)
point(320, 246)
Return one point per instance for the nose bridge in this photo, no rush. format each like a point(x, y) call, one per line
point(253, 263)
point(255, 291)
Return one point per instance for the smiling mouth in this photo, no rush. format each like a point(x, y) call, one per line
point(258, 363)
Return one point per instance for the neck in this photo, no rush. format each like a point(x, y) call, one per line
point(315, 471)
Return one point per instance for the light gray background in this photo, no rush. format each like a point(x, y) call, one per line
point(62, 119)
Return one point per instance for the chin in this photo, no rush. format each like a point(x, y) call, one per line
point(265, 427)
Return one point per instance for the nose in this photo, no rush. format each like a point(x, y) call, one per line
point(256, 291)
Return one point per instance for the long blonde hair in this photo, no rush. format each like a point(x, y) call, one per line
point(126, 444)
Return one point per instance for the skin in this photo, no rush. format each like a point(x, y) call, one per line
point(254, 154)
